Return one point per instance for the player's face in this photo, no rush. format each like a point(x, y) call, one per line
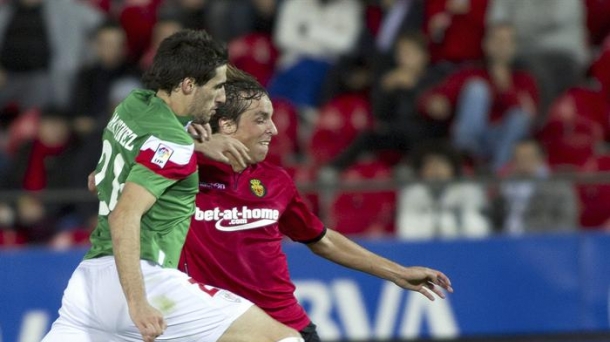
point(209, 96)
point(256, 128)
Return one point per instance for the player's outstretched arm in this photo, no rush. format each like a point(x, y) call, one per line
point(124, 222)
point(341, 250)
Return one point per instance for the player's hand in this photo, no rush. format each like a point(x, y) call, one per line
point(200, 132)
point(225, 149)
point(424, 280)
point(148, 320)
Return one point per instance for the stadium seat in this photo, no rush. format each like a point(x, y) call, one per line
point(284, 145)
point(597, 14)
point(600, 69)
point(138, 20)
point(571, 134)
point(364, 213)
point(255, 54)
point(592, 104)
point(305, 174)
point(337, 125)
point(595, 197)
point(11, 238)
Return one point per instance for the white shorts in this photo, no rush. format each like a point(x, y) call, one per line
point(94, 306)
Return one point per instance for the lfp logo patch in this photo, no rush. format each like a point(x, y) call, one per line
point(162, 155)
point(257, 188)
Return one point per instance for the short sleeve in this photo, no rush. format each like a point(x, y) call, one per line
point(151, 181)
point(299, 223)
point(160, 164)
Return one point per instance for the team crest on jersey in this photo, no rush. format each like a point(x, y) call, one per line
point(257, 187)
point(162, 155)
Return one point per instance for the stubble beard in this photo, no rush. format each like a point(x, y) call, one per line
point(202, 118)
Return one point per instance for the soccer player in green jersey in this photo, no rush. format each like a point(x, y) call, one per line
point(127, 287)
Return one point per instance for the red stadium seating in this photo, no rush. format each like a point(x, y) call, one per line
point(284, 145)
point(595, 198)
point(255, 54)
point(10, 238)
point(306, 174)
point(572, 132)
point(600, 69)
point(597, 14)
point(592, 104)
point(364, 213)
point(337, 125)
point(138, 20)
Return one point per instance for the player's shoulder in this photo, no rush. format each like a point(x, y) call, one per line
point(150, 116)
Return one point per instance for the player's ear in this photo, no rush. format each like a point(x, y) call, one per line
point(227, 126)
point(187, 85)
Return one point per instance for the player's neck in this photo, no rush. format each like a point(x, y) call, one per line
point(174, 101)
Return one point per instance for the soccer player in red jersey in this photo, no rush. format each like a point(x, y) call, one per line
point(234, 241)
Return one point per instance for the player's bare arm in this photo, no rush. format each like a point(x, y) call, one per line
point(124, 223)
point(341, 250)
point(225, 149)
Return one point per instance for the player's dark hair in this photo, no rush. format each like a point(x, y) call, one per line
point(187, 53)
point(240, 90)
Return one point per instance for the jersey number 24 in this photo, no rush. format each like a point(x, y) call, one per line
point(117, 167)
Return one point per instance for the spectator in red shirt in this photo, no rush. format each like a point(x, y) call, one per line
point(455, 29)
point(492, 105)
point(41, 163)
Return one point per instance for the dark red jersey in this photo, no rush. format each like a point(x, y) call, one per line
point(235, 237)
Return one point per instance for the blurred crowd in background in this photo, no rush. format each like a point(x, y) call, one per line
point(433, 95)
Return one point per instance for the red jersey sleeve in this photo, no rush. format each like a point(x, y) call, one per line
point(167, 159)
point(299, 223)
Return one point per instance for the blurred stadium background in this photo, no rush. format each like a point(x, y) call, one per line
point(466, 135)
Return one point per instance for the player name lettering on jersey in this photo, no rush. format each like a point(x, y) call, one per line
point(236, 219)
point(121, 132)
